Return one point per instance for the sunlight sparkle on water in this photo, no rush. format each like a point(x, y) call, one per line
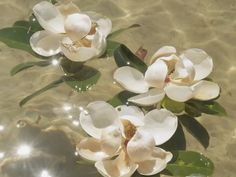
point(45, 173)
point(24, 150)
point(2, 155)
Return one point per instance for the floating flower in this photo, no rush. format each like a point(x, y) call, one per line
point(79, 36)
point(179, 77)
point(123, 140)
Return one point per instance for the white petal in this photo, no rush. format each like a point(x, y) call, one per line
point(119, 167)
point(49, 17)
point(163, 51)
point(74, 53)
point(77, 26)
point(178, 93)
point(131, 79)
point(161, 124)
point(157, 164)
point(111, 140)
point(68, 8)
point(205, 90)
point(184, 70)
point(203, 63)
point(98, 116)
point(156, 74)
point(124, 110)
point(141, 146)
point(104, 26)
point(170, 61)
point(99, 43)
point(153, 96)
point(45, 43)
point(90, 149)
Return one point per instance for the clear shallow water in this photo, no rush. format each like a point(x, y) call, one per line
point(208, 24)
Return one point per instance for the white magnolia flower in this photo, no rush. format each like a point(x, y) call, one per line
point(179, 77)
point(123, 140)
point(79, 36)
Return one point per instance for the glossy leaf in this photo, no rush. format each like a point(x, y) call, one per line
point(111, 47)
point(187, 163)
point(208, 107)
point(40, 91)
point(82, 80)
point(173, 106)
point(191, 110)
point(16, 37)
point(196, 129)
point(117, 32)
point(177, 141)
point(70, 67)
point(26, 65)
point(124, 57)
point(121, 98)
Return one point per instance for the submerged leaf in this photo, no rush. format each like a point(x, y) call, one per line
point(70, 67)
point(16, 37)
point(196, 129)
point(40, 91)
point(208, 107)
point(173, 106)
point(115, 33)
point(191, 110)
point(111, 47)
point(82, 80)
point(26, 65)
point(121, 98)
point(187, 163)
point(124, 57)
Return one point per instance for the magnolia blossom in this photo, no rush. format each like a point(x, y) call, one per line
point(124, 140)
point(179, 77)
point(79, 36)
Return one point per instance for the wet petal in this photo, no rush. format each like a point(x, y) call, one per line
point(141, 146)
point(120, 167)
point(74, 53)
point(77, 26)
point(90, 149)
point(131, 79)
point(170, 61)
point(49, 17)
point(131, 113)
point(184, 70)
point(163, 51)
point(156, 74)
point(68, 8)
point(45, 43)
point(179, 93)
point(161, 124)
point(203, 63)
point(205, 90)
point(153, 96)
point(104, 26)
point(111, 140)
point(156, 164)
point(99, 43)
point(98, 116)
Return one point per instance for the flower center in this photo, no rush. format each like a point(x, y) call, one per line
point(129, 129)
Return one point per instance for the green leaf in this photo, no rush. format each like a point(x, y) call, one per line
point(121, 98)
point(173, 106)
point(124, 57)
point(31, 26)
point(111, 47)
point(177, 141)
point(196, 129)
point(40, 91)
point(208, 107)
point(115, 33)
point(136, 174)
point(191, 110)
point(16, 37)
point(83, 80)
point(70, 67)
point(26, 65)
point(187, 163)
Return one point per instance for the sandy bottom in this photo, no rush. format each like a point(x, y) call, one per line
point(208, 24)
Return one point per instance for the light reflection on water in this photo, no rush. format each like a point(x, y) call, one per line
point(40, 124)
